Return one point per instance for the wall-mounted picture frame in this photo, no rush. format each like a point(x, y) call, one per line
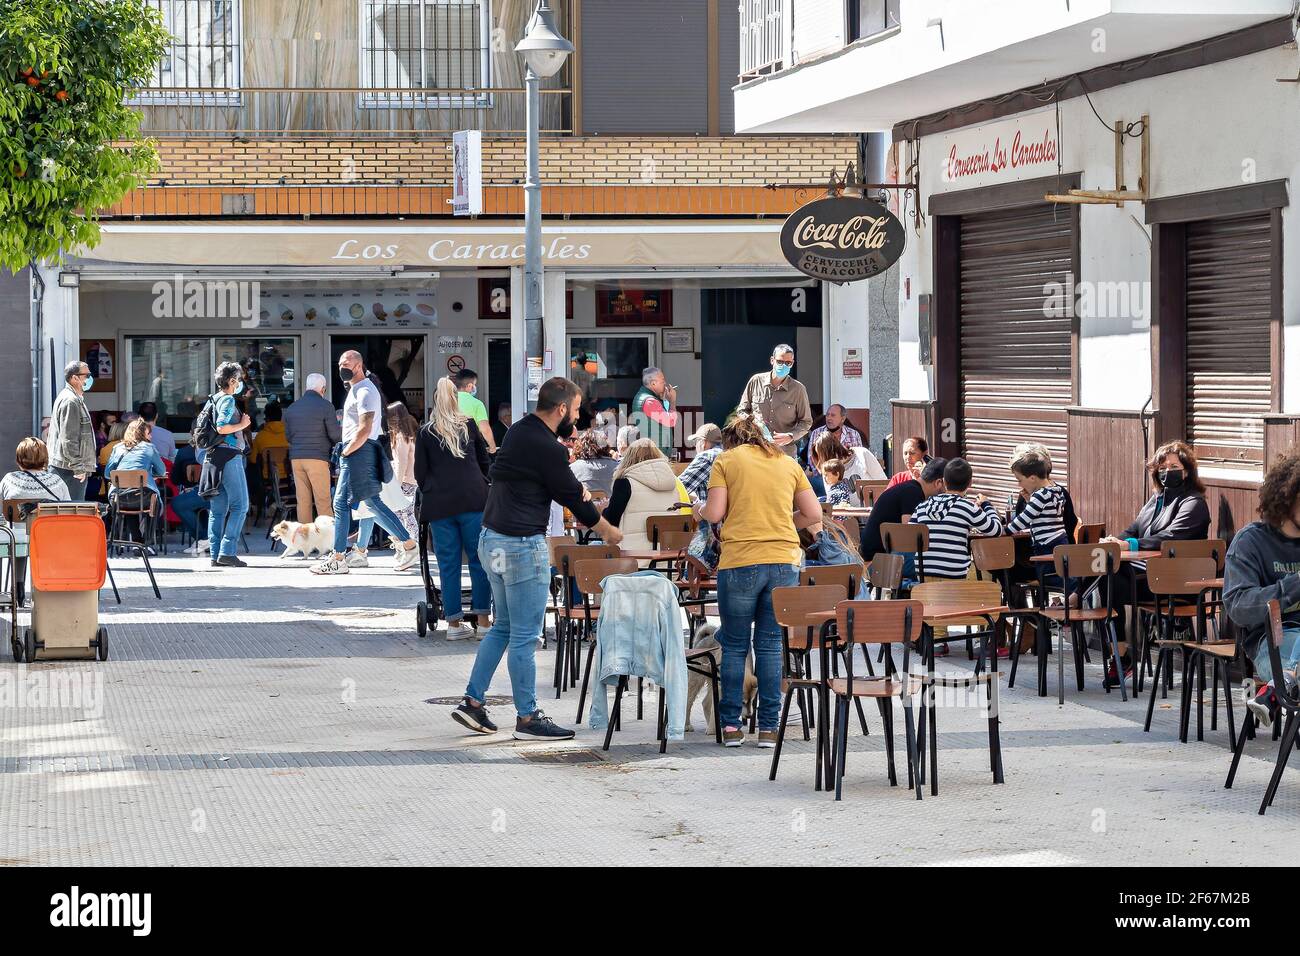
point(101, 356)
point(624, 308)
point(677, 339)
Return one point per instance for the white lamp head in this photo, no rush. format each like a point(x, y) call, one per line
point(543, 49)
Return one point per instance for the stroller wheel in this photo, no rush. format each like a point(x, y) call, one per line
point(16, 644)
point(101, 643)
point(29, 645)
point(421, 619)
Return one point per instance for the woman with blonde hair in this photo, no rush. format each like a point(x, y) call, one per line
point(451, 469)
point(135, 452)
point(762, 497)
point(644, 485)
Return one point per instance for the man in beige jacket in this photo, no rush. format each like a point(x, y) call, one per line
point(72, 436)
point(779, 401)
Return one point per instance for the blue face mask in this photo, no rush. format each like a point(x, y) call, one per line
point(239, 386)
point(88, 384)
point(781, 369)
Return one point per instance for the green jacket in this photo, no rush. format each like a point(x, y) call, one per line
point(658, 422)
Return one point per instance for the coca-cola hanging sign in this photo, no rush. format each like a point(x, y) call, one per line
point(842, 239)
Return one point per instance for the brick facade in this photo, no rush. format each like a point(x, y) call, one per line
point(593, 161)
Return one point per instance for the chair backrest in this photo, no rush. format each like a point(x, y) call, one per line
point(556, 540)
point(879, 622)
point(792, 607)
point(15, 509)
point(851, 528)
point(656, 525)
point(1089, 533)
point(885, 572)
point(904, 537)
point(996, 553)
point(675, 540)
point(589, 574)
point(828, 511)
point(679, 466)
point(598, 495)
point(942, 597)
point(1169, 576)
point(278, 458)
point(566, 556)
point(1215, 548)
point(124, 479)
point(868, 489)
point(847, 576)
point(1086, 560)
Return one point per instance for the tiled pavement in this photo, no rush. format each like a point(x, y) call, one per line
point(266, 716)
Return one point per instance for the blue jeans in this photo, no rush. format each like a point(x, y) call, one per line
point(343, 505)
point(745, 603)
point(1289, 652)
point(228, 509)
point(187, 506)
point(519, 571)
point(365, 531)
point(451, 536)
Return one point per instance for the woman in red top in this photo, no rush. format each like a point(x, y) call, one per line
point(915, 453)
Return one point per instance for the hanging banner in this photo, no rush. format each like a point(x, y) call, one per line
point(842, 239)
point(352, 308)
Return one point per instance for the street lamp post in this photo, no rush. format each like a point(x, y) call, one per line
point(544, 51)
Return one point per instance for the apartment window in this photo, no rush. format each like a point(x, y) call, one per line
point(425, 52)
point(869, 17)
point(203, 63)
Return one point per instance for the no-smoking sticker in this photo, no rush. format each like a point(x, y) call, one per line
point(455, 364)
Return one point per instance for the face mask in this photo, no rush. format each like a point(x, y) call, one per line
point(345, 374)
point(239, 387)
point(473, 389)
point(781, 369)
point(88, 383)
point(1170, 478)
point(566, 426)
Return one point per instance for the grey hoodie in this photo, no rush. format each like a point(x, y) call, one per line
point(1263, 565)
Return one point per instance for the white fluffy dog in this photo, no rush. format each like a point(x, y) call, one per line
point(305, 539)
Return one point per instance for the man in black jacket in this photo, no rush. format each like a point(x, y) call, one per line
point(531, 470)
point(897, 501)
point(1264, 565)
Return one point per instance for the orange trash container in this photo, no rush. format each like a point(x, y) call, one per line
point(68, 557)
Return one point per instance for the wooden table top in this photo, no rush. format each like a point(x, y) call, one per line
point(672, 554)
point(1123, 556)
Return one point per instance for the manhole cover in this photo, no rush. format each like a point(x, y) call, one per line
point(455, 701)
point(561, 756)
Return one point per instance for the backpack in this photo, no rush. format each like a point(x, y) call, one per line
point(206, 435)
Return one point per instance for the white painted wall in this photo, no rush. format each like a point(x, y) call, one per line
point(1214, 127)
point(846, 321)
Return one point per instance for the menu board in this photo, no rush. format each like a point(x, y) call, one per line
point(388, 308)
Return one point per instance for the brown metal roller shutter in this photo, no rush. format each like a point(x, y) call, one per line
point(1229, 380)
point(1015, 359)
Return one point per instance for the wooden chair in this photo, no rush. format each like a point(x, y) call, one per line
point(679, 466)
point(573, 619)
point(800, 636)
point(656, 525)
point(145, 513)
point(17, 511)
point(868, 489)
point(1089, 533)
point(697, 593)
point(885, 573)
point(1288, 698)
point(587, 575)
point(1175, 600)
point(1220, 653)
point(883, 623)
point(852, 529)
point(907, 538)
point(981, 607)
point(1082, 568)
point(995, 556)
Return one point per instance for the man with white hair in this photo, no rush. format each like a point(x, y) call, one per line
point(653, 411)
point(313, 429)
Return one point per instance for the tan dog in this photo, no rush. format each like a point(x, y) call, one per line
point(304, 539)
point(697, 684)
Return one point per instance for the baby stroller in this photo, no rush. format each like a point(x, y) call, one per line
point(69, 559)
point(429, 611)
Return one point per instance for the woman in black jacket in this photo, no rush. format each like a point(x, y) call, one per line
point(451, 466)
point(1176, 512)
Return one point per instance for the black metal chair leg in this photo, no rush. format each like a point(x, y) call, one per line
point(842, 738)
point(934, 745)
point(1238, 747)
point(888, 713)
point(663, 723)
point(1151, 698)
point(913, 770)
point(1283, 754)
point(586, 675)
point(615, 713)
point(780, 731)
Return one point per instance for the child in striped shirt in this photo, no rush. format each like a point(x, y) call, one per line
point(839, 490)
point(952, 518)
point(1044, 513)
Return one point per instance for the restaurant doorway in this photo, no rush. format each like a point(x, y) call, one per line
point(498, 382)
point(396, 360)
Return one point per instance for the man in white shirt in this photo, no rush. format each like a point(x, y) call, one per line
point(361, 468)
point(162, 439)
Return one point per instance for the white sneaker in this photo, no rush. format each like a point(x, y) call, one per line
point(198, 547)
point(459, 632)
point(356, 559)
point(406, 558)
point(330, 565)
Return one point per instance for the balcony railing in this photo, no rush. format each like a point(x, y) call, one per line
point(360, 113)
point(764, 37)
point(777, 34)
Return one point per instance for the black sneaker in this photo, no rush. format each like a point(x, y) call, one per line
point(539, 727)
point(474, 717)
point(230, 561)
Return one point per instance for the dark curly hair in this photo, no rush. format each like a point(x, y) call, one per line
point(1281, 488)
point(1188, 459)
